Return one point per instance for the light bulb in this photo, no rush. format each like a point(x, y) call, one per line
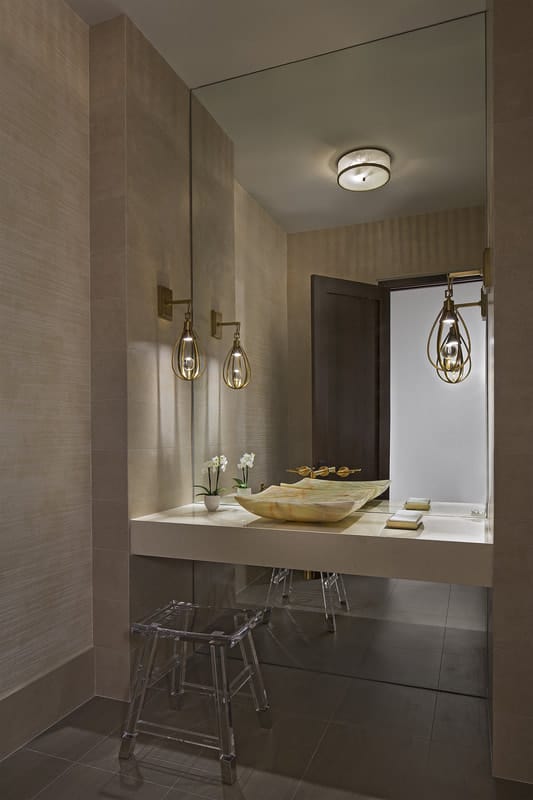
point(237, 370)
point(452, 346)
point(186, 360)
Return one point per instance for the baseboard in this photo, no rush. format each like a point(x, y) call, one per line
point(34, 708)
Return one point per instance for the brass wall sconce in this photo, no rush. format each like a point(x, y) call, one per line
point(236, 371)
point(186, 358)
point(450, 350)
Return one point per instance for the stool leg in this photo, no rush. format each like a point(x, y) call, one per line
point(329, 610)
point(284, 593)
point(271, 585)
point(335, 577)
point(344, 596)
point(259, 694)
point(143, 672)
point(287, 590)
point(178, 674)
point(228, 760)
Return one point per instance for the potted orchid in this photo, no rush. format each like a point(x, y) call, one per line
point(211, 493)
point(244, 466)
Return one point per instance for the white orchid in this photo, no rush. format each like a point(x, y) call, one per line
point(212, 468)
point(245, 465)
point(247, 460)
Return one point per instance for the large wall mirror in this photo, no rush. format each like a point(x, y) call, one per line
point(281, 248)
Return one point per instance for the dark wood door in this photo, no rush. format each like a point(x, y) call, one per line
point(351, 403)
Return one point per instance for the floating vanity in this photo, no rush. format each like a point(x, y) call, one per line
point(453, 546)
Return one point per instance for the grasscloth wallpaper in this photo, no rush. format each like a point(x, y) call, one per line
point(45, 486)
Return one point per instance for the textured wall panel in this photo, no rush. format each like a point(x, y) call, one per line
point(141, 433)
point(512, 218)
point(45, 528)
point(261, 302)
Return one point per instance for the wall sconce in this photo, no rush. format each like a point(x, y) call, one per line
point(452, 347)
point(186, 358)
point(236, 370)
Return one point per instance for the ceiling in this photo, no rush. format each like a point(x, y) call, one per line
point(420, 96)
point(210, 40)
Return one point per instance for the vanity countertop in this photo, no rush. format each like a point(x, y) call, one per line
point(453, 546)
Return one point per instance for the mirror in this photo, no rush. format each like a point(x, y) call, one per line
point(268, 214)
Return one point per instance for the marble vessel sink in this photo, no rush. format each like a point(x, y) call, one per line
point(303, 503)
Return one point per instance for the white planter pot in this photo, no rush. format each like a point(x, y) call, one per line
point(245, 492)
point(212, 501)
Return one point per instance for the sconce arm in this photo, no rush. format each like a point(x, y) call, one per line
point(217, 324)
point(165, 302)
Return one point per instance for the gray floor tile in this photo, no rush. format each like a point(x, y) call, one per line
point(460, 771)
point(400, 634)
point(286, 749)
point(461, 720)
point(314, 791)
point(369, 763)
point(270, 762)
point(26, 772)
point(388, 708)
point(146, 764)
point(75, 735)
point(402, 665)
point(303, 692)
point(87, 783)
point(296, 638)
point(202, 779)
point(464, 662)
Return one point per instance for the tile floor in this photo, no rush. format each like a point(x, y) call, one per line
point(333, 738)
point(428, 635)
point(345, 728)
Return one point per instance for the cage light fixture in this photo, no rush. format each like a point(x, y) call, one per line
point(186, 357)
point(236, 371)
point(449, 347)
point(364, 169)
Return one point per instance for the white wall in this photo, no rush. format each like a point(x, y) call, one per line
point(438, 431)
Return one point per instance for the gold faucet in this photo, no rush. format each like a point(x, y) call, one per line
point(322, 472)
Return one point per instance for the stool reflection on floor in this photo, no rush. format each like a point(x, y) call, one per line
point(219, 629)
point(282, 578)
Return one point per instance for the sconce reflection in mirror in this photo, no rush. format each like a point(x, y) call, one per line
point(449, 347)
point(186, 358)
point(236, 371)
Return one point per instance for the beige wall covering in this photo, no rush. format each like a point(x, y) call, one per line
point(419, 245)
point(512, 689)
point(240, 270)
point(216, 408)
point(45, 536)
point(261, 302)
point(139, 238)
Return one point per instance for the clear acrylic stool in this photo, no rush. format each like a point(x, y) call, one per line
point(187, 625)
point(282, 579)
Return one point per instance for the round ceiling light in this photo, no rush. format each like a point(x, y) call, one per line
point(363, 170)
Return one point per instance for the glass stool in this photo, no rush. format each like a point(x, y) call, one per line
point(186, 624)
point(330, 582)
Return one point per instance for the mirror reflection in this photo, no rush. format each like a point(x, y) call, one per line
point(314, 272)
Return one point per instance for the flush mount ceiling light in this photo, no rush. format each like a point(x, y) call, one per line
point(363, 170)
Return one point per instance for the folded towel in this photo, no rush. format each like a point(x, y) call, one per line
point(417, 503)
point(405, 520)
